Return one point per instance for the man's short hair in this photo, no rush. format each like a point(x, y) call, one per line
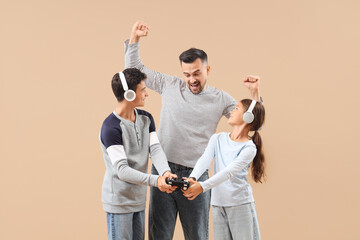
point(133, 77)
point(189, 56)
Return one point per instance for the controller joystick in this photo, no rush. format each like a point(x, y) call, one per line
point(183, 184)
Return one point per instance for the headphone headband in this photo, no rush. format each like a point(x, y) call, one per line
point(129, 94)
point(248, 116)
point(123, 81)
point(252, 105)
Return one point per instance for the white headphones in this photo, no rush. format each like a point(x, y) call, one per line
point(248, 116)
point(129, 94)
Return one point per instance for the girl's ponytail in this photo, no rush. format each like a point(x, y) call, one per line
point(258, 164)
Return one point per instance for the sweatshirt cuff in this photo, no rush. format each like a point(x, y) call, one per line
point(194, 176)
point(163, 171)
point(127, 44)
point(204, 186)
point(153, 180)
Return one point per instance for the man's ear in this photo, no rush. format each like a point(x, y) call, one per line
point(208, 69)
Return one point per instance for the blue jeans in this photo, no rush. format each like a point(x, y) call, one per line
point(163, 210)
point(127, 226)
point(236, 223)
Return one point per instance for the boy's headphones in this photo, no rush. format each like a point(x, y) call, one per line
point(248, 116)
point(129, 94)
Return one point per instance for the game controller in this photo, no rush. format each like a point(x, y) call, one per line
point(178, 182)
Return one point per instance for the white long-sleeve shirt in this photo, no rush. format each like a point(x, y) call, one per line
point(232, 160)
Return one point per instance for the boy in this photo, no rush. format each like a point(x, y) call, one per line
point(126, 137)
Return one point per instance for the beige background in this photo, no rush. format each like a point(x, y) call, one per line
point(58, 57)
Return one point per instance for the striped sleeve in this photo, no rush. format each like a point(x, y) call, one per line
point(152, 130)
point(157, 154)
point(112, 139)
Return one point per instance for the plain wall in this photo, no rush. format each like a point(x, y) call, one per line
point(58, 57)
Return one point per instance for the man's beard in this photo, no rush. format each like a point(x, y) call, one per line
point(200, 89)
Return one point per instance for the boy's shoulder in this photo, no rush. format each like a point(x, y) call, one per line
point(111, 120)
point(148, 116)
point(144, 113)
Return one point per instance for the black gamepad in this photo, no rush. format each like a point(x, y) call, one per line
point(178, 182)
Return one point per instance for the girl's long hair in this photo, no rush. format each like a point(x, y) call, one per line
point(258, 164)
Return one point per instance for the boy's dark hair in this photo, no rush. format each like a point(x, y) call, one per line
point(133, 77)
point(189, 56)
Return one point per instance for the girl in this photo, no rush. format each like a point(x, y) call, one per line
point(234, 213)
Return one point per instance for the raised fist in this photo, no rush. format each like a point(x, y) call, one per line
point(252, 82)
point(140, 29)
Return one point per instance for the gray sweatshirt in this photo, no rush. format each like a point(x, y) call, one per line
point(126, 146)
point(187, 120)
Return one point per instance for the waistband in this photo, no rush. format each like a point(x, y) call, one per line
point(175, 166)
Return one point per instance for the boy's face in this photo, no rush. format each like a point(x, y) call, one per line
point(141, 94)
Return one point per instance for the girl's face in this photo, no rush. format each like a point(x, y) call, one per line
point(236, 115)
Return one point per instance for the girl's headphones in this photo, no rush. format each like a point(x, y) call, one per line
point(248, 116)
point(129, 94)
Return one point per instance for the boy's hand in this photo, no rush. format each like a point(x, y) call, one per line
point(161, 184)
point(168, 174)
point(194, 190)
point(140, 29)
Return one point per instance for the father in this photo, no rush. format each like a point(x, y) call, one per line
point(190, 113)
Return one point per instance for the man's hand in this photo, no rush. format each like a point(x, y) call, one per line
point(140, 29)
point(194, 190)
point(166, 175)
point(253, 84)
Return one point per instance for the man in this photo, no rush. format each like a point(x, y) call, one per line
point(126, 137)
point(190, 113)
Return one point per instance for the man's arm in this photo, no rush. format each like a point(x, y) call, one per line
point(155, 80)
point(139, 29)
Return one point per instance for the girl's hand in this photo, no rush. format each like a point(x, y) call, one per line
point(194, 190)
point(253, 84)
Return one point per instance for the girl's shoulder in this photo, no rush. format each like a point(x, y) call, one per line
point(250, 143)
point(249, 147)
point(220, 135)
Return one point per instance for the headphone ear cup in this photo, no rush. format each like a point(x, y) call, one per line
point(248, 117)
point(130, 95)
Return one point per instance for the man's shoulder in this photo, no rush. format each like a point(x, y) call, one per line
point(174, 82)
point(212, 89)
point(218, 92)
